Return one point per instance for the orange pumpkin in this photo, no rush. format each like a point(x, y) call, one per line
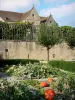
point(44, 84)
point(49, 94)
point(50, 80)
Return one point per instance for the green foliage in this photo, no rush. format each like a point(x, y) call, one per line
point(71, 38)
point(29, 71)
point(65, 87)
point(69, 35)
point(4, 30)
point(4, 62)
point(28, 89)
point(48, 36)
point(66, 30)
point(34, 71)
point(65, 65)
point(18, 90)
point(16, 31)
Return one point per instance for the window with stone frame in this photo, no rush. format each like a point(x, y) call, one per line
point(33, 15)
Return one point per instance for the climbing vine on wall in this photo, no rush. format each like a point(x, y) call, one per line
point(16, 31)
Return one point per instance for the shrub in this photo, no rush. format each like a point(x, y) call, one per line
point(4, 62)
point(18, 90)
point(34, 71)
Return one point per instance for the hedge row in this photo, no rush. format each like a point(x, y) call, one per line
point(4, 62)
point(65, 65)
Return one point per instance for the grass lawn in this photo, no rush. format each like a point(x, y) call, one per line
point(65, 65)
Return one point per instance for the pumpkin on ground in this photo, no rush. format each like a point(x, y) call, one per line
point(44, 84)
point(49, 94)
point(50, 80)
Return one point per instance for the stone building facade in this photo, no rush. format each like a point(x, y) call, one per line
point(24, 50)
point(30, 16)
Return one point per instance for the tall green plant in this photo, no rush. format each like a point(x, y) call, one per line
point(48, 36)
point(69, 35)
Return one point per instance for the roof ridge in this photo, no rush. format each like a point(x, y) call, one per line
point(28, 12)
point(43, 16)
point(11, 11)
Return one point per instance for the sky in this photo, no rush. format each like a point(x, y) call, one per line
point(63, 11)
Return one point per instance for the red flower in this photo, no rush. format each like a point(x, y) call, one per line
point(50, 80)
point(49, 94)
point(44, 84)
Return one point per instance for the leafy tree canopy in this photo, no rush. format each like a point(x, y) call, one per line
point(48, 36)
point(69, 35)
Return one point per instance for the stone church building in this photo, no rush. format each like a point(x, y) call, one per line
point(10, 49)
point(30, 16)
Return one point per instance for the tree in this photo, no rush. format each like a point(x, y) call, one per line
point(48, 36)
point(69, 35)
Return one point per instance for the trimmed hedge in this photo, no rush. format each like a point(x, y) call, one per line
point(65, 65)
point(4, 62)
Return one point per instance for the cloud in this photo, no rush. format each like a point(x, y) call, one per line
point(16, 4)
point(49, 1)
point(63, 12)
point(56, 2)
point(60, 11)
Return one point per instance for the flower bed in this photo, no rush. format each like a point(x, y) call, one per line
point(27, 86)
point(35, 71)
point(19, 90)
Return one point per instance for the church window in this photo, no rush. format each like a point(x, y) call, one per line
point(33, 15)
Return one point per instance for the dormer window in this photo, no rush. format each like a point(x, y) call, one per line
point(6, 18)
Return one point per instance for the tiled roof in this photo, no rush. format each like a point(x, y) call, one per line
point(43, 18)
point(15, 16)
point(24, 15)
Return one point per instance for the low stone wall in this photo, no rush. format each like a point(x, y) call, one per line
point(31, 50)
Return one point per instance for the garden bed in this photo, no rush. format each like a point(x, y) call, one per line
point(26, 85)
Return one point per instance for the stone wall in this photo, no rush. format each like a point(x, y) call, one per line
point(24, 50)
